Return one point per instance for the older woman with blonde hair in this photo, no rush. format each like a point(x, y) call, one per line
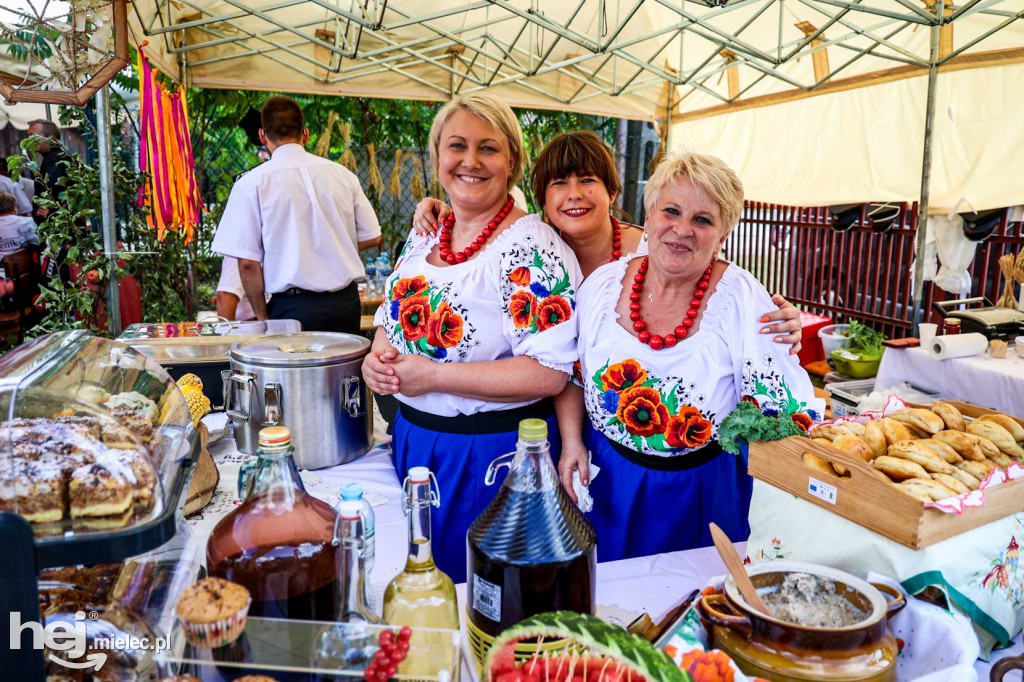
point(478, 326)
point(666, 351)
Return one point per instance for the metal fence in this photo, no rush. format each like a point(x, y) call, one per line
point(857, 273)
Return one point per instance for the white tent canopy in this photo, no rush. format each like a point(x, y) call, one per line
point(812, 101)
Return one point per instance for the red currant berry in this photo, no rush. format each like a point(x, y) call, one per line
point(405, 634)
point(397, 656)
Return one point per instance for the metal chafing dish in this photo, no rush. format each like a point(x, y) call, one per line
point(199, 348)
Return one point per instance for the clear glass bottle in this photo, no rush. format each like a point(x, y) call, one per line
point(531, 550)
point(354, 492)
point(351, 642)
point(279, 542)
point(421, 595)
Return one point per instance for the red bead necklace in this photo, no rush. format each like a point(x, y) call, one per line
point(616, 240)
point(658, 342)
point(453, 257)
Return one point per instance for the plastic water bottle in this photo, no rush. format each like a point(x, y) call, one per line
point(353, 492)
point(384, 270)
point(371, 276)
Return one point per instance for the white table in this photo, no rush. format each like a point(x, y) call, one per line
point(989, 382)
point(627, 588)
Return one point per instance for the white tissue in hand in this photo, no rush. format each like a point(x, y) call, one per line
point(586, 502)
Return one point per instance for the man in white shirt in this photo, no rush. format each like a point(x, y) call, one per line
point(296, 224)
point(232, 303)
point(23, 205)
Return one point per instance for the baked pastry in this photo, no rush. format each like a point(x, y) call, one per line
point(941, 449)
point(965, 444)
point(999, 436)
point(980, 470)
point(933, 489)
point(925, 420)
point(893, 430)
point(951, 482)
point(213, 612)
point(898, 469)
point(97, 490)
point(915, 452)
point(1008, 423)
point(950, 415)
point(967, 479)
point(36, 491)
point(875, 439)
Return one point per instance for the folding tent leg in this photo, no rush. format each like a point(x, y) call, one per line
point(109, 209)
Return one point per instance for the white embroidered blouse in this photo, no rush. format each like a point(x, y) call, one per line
point(668, 402)
point(517, 297)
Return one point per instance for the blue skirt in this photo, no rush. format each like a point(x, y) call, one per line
point(640, 511)
point(460, 464)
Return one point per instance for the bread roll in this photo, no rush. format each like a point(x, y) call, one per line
point(951, 482)
point(987, 447)
point(854, 446)
point(919, 494)
point(925, 420)
point(819, 465)
point(999, 436)
point(915, 452)
point(893, 430)
point(967, 479)
point(1001, 460)
point(965, 444)
point(898, 469)
point(949, 415)
point(977, 469)
point(941, 449)
point(936, 490)
point(1008, 423)
point(875, 439)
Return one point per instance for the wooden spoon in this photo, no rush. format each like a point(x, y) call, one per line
point(735, 565)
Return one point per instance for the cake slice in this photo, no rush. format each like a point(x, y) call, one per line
point(97, 490)
point(35, 490)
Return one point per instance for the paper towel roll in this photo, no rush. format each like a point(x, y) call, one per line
point(957, 346)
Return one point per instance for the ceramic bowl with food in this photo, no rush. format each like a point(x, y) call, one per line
point(824, 625)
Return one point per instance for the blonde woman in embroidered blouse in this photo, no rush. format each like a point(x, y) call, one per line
point(478, 325)
point(666, 351)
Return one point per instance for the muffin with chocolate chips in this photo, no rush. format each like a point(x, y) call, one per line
point(213, 612)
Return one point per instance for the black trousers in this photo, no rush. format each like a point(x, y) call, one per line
point(334, 311)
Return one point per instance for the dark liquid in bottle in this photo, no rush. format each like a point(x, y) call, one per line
point(297, 581)
point(529, 553)
point(286, 560)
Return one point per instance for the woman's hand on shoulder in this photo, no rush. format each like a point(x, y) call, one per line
point(574, 457)
point(379, 373)
point(785, 322)
point(429, 214)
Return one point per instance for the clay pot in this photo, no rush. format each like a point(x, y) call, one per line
point(766, 647)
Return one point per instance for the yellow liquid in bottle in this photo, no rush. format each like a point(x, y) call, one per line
point(421, 596)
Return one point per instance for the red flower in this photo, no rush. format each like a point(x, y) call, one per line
point(641, 410)
point(413, 316)
point(522, 308)
point(752, 400)
point(577, 373)
point(688, 429)
point(623, 375)
point(412, 286)
point(553, 310)
point(802, 420)
point(520, 277)
point(708, 666)
point(444, 328)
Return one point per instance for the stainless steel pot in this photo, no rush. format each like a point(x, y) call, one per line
point(311, 383)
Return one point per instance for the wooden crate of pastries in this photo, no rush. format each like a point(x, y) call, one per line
point(879, 474)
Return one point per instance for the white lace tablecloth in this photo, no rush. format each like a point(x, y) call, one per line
point(624, 588)
point(997, 383)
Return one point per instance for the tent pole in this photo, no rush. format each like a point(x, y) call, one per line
point(926, 172)
point(107, 203)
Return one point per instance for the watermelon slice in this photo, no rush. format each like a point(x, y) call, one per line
point(611, 653)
